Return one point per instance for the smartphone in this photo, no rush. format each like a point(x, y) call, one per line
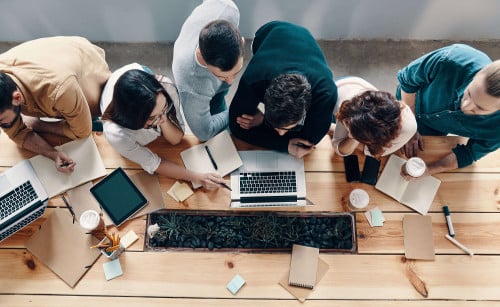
point(370, 170)
point(351, 167)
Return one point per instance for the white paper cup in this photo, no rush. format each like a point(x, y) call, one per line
point(90, 219)
point(358, 199)
point(415, 167)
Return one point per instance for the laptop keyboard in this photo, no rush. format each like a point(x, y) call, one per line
point(268, 182)
point(16, 199)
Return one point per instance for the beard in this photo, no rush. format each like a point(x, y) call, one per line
point(17, 110)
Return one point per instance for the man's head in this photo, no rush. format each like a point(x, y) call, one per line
point(482, 95)
point(221, 46)
point(287, 100)
point(373, 118)
point(10, 98)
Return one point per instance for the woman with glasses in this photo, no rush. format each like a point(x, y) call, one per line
point(370, 119)
point(137, 109)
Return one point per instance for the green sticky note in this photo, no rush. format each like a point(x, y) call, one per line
point(377, 217)
point(235, 284)
point(112, 269)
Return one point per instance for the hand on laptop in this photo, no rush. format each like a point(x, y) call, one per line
point(64, 164)
point(300, 147)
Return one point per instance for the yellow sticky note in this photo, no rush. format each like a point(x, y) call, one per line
point(182, 191)
point(172, 189)
point(128, 239)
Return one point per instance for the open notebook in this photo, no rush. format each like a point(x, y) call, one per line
point(217, 155)
point(417, 194)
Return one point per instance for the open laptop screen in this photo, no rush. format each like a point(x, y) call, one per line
point(118, 196)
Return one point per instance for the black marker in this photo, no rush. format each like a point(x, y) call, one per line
point(65, 164)
point(447, 215)
point(211, 157)
point(225, 185)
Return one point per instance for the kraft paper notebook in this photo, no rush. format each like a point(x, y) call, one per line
point(64, 247)
point(417, 194)
point(303, 266)
point(81, 199)
point(89, 166)
point(417, 235)
point(217, 155)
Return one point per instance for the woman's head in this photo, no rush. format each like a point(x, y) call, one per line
point(136, 94)
point(373, 118)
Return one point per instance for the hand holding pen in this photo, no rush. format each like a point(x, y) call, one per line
point(64, 164)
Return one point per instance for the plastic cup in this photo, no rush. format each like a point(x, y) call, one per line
point(358, 199)
point(415, 167)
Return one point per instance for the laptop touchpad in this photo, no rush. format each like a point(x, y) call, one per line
point(4, 184)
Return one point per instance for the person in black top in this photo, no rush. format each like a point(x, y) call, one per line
point(286, 95)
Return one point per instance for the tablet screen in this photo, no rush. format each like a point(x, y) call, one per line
point(118, 196)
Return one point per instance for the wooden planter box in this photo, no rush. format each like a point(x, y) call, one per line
point(251, 231)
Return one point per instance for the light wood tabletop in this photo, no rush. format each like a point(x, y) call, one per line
point(376, 275)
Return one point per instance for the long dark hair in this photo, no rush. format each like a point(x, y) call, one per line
point(134, 98)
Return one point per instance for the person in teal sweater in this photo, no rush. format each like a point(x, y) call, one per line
point(455, 89)
point(286, 95)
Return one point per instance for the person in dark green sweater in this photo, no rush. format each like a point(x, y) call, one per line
point(286, 95)
point(455, 89)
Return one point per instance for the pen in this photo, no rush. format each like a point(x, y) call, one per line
point(447, 215)
point(69, 207)
point(211, 157)
point(65, 164)
point(225, 185)
point(465, 249)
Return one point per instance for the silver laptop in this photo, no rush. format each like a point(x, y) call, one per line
point(22, 198)
point(268, 179)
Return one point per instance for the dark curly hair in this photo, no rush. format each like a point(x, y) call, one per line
point(492, 74)
point(373, 119)
point(287, 100)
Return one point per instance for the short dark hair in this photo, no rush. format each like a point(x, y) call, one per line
point(373, 118)
point(7, 88)
point(287, 100)
point(221, 44)
point(134, 98)
point(492, 72)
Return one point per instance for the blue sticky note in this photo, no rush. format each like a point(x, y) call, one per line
point(377, 217)
point(235, 284)
point(112, 269)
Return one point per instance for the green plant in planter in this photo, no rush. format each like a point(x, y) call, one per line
point(169, 226)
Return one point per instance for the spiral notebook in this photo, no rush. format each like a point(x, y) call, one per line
point(303, 266)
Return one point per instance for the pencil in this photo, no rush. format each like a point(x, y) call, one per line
point(225, 185)
point(460, 245)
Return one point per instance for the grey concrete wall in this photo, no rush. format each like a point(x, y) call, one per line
point(160, 20)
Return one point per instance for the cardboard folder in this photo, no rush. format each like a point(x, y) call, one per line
point(64, 247)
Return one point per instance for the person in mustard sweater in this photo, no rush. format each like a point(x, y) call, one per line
point(55, 77)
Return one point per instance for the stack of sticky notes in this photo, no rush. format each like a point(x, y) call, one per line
point(375, 217)
point(235, 284)
point(180, 191)
point(112, 269)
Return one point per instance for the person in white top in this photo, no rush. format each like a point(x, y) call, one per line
point(137, 109)
point(371, 119)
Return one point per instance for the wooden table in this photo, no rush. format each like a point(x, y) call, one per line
point(375, 276)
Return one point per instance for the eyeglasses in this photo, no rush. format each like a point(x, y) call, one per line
point(167, 108)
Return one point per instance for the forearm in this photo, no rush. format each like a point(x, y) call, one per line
point(176, 171)
point(409, 99)
point(447, 163)
point(37, 125)
point(171, 133)
point(35, 143)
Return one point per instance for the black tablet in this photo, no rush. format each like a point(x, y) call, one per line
point(118, 196)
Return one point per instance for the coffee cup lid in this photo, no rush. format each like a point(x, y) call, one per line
point(415, 167)
point(359, 198)
point(89, 219)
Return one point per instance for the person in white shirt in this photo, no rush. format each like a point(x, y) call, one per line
point(371, 119)
point(137, 109)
